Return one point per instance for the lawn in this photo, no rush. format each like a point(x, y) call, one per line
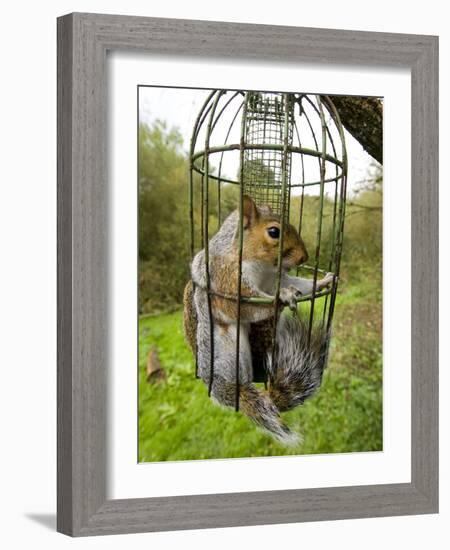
point(177, 420)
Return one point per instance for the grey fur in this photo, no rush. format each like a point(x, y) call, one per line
point(257, 405)
point(297, 372)
point(299, 367)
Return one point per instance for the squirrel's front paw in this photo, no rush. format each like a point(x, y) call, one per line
point(326, 281)
point(289, 296)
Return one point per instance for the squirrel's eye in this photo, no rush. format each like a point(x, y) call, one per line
point(274, 232)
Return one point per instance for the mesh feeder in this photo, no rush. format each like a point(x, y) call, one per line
point(287, 151)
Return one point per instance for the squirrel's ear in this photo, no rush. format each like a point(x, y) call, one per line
point(266, 209)
point(250, 212)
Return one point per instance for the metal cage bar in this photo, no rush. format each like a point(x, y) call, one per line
point(220, 180)
point(343, 193)
point(241, 245)
point(335, 202)
point(285, 174)
point(197, 125)
point(222, 110)
point(271, 137)
point(206, 239)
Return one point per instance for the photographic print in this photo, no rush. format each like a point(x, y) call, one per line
point(260, 273)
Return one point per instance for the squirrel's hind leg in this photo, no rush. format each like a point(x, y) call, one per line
point(224, 362)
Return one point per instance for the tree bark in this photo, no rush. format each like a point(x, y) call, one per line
point(363, 118)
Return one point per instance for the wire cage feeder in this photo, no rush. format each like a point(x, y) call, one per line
point(286, 151)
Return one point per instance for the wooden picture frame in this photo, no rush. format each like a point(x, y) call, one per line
point(83, 41)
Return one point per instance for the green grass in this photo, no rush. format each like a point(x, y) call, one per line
point(177, 420)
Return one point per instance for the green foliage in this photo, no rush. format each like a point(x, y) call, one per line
point(363, 235)
point(163, 248)
point(256, 171)
point(164, 236)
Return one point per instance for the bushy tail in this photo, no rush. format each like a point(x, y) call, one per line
point(257, 405)
point(298, 364)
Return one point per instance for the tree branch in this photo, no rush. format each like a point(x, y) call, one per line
point(363, 118)
point(364, 206)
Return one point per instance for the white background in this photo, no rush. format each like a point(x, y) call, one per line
point(127, 479)
point(28, 298)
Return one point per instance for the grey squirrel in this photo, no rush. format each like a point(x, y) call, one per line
point(299, 364)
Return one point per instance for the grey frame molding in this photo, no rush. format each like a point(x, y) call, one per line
point(83, 40)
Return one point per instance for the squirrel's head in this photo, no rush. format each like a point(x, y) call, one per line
point(262, 232)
